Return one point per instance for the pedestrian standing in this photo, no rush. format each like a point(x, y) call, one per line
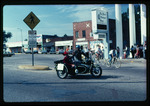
point(144, 49)
point(137, 52)
point(118, 52)
point(67, 49)
point(132, 51)
point(141, 51)
point(128, 51)
point(125, 52)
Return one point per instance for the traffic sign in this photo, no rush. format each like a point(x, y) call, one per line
point(31, 20)
point(32, 38)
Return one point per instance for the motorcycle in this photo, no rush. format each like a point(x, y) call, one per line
point(87, 66)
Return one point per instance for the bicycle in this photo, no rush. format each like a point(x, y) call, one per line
point(116, 61)
point(99, 59)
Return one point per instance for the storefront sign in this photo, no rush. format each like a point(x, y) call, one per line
point(39, 39)
point(102, 17)
point(63, 43)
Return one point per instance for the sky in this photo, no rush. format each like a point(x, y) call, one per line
point(54, 19)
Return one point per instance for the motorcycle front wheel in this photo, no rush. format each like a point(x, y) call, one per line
point(96, 71)
point(62, 74)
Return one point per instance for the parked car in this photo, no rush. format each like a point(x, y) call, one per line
point(7, 54)
point(43, 52)
point(28, 51)
point(35, 51)
point(61, 51)
point(52, 52)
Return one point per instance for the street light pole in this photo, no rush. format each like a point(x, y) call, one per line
point(21, 39)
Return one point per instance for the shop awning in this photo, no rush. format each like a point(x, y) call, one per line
point(64, 43)
point(81, 43)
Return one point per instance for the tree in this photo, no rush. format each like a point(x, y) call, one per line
point(65, 35)
point(6, 36)
point(25, 39)
point(55, 35)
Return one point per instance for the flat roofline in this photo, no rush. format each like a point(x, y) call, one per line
point(82, 21)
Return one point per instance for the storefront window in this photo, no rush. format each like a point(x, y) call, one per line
point(77, 34)
point(83, 33)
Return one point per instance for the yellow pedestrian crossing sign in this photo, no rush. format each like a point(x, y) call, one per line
point(31, 20)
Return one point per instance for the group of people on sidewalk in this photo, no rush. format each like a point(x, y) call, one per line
point(137, 52)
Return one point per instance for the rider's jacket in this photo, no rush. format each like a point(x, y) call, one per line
point(67, 60)
point(78, 53)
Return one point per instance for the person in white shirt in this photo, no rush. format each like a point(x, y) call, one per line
point(112, 53)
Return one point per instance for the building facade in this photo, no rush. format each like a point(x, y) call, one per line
point(52, 42)
point(82, 35)
point(17, 47)
point(44, 42)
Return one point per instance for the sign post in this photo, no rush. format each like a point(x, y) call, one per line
point(32, 42)
point(31, 20)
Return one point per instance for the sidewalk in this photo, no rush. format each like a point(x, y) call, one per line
point(134, 60)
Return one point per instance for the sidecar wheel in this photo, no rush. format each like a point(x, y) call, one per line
point(96, 71)
point(62, 74)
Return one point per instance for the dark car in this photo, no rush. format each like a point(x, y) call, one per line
point(35, 51)
point(43, 52)
point(52, 52)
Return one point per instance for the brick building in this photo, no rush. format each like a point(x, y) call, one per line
point(82, 34)
point(47, 42)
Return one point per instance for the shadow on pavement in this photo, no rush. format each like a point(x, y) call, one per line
point(103, 77)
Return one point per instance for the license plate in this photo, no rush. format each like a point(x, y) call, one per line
point(60, 67)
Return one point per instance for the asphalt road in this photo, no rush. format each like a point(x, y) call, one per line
point(127, 83)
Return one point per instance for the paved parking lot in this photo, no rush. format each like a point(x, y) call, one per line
point(127, 83)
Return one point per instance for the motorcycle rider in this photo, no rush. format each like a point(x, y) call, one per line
point(68, 61)
point(77, 57)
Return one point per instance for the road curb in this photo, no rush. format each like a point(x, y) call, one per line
point(35, 67)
